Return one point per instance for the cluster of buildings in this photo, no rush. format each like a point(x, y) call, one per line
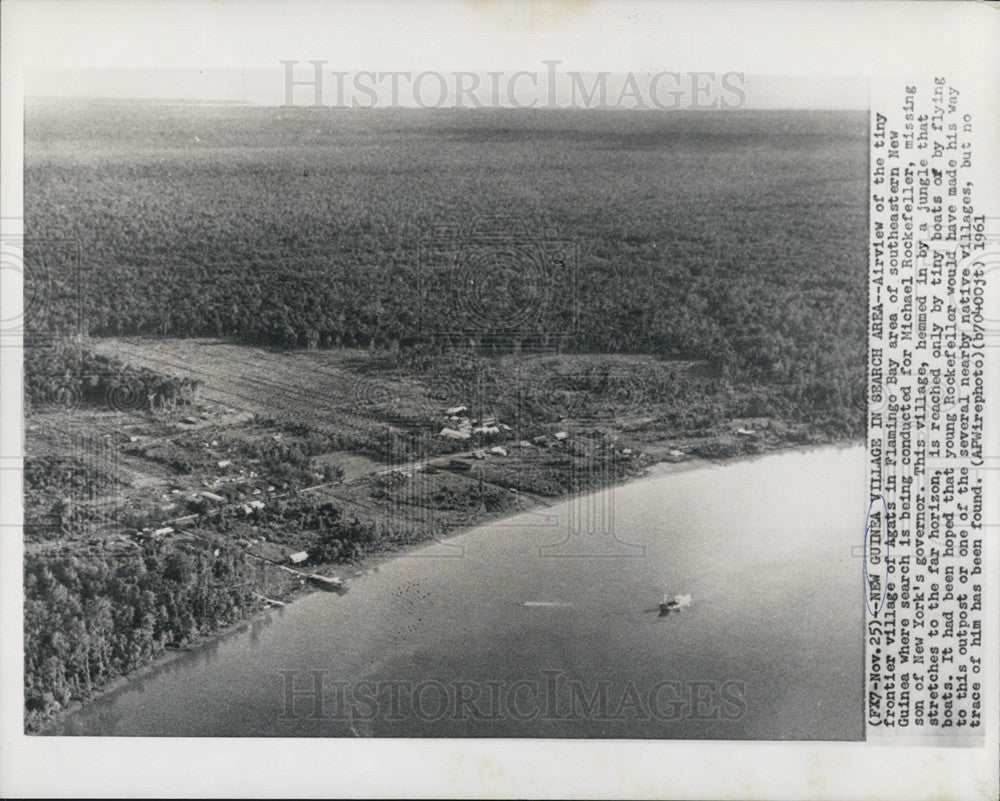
point(462, 426)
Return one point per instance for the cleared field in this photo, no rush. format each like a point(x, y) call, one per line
point(318, 389)
point(383, 410)
point(267, 424)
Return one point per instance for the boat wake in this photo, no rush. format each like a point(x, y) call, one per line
point(545, 603)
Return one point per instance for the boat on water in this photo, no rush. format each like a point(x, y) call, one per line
point(325, 582)
point(675, 604)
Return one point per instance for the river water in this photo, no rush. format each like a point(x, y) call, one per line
point(547, 624)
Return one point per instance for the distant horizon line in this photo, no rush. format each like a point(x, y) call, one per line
point(165, 101)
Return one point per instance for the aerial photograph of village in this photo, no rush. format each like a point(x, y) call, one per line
point(447, 422)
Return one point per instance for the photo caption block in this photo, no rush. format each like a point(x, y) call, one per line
point(931, 251)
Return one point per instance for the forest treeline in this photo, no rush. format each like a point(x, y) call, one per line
point(734, 238)
point(90, 618)
point(65, 373)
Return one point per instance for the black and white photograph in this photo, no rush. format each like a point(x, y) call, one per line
point(515, 375)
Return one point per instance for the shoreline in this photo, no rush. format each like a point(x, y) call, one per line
point(654, 471)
